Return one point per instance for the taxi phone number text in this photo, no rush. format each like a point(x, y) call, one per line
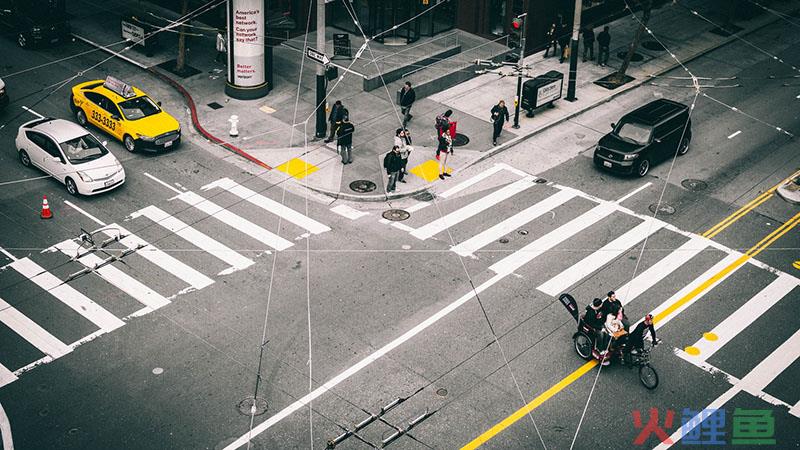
point(108, 123)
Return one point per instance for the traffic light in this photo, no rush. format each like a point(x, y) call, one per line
point(516, 25)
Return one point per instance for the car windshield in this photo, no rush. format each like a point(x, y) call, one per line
point(634, 132)
point(83, 149)
point(139, 107)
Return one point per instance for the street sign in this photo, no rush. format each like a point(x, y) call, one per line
point(317, 56)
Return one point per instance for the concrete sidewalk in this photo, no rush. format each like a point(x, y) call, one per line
point(268, 138)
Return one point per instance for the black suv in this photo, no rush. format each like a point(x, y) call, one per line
point(35, 22)
point(648, 135)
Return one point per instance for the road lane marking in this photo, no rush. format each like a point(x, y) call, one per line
point(235, 221)
point(65, 293)
point(633, 192)
point(33, 112)
point(600, 257)
point(76, 208)
point(8, 255)
point(753, 383)
point(161, 259)
point(480, 240)
point(476, 207)
point(5, 430)
point(538, 247)
point(268, 204)
point(113, 275)
point(775, 235)
point(743, 317)
point(163, 183)
point(348, 212)
point(735, 134)
point(197, 238)
point(6, 376)
point(333, 382)
point(471, 181)
point(32, 332)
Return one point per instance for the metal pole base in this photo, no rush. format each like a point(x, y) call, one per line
point(515, 126)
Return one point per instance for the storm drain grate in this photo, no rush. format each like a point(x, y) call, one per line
point(396, 215)
point(255, 406)
point(694, 185)
point(362, 186)
point(663, 209)
point(215, 105)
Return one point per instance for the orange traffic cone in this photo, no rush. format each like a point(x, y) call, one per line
point(46, 214)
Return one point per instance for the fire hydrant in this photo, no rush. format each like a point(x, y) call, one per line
point(234, 120)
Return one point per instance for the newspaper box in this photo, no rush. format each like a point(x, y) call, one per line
point(542, 90)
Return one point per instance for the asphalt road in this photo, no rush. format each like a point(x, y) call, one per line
point(391, 312)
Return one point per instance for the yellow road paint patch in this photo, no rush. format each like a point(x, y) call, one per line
point(710, 336)
point(429, 170)
point(267, 109)
point(796, 265)
point(692, 350)
point(297, 168)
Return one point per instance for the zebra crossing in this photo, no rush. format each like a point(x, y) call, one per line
point(119, 243)
point(480, 221)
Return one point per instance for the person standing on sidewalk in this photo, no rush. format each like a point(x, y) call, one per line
point(443, 120)
point(392, 164)
point(550, 38)
point(445, 148)
point(344, 139)
point(499, 117)
point(407, 98)
point(405, 150)
point(563, 39)
point(588, 43)
point(338, 111)
point(603, 42)
point(222, 48)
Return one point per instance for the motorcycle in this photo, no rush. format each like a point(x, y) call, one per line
point(584, 339)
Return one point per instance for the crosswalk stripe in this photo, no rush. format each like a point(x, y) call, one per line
point(719, 272)
point(658, 271)
point(269, 204)
point(499, 230)
point(473, 180)
point(114, 276)
point(197, 238)
point(6, 376)
point(234, 221)
point(473, 208)
point(68, 295)
point(161, 259)
point(531, 251)
point(745, 315)
point(32, 332)
point(601, 257)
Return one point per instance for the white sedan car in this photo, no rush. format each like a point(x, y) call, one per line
point(70, 154)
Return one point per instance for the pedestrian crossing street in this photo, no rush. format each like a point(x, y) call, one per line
point(482, 225)
point(120, 244)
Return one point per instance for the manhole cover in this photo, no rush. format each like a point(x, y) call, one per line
point(663, 208)
point(441, 392)
point(460, 140)
point(540, 181)
point(256, 407)
point(694, 185)
point(635, 58)
point(396, 215)
point(503, 240)
point(362, 186)
point(214, 105)
point(423, 196)
point(653, 45)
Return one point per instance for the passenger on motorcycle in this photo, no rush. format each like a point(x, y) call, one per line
point(610, 303)
point(612, 330)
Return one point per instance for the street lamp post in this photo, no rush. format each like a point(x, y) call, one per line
point(519, 23)
point(321, 125)
point(573, 54)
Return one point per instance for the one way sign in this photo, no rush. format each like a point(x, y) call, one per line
point(317, 56)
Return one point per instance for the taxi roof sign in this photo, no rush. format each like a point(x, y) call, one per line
point(119, 87)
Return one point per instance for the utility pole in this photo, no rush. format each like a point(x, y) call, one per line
point(573, 52)
point(321, 125)
point(519, 23)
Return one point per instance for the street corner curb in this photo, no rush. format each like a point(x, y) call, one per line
point(338, 195)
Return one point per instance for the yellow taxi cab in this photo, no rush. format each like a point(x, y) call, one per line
point(126, 113)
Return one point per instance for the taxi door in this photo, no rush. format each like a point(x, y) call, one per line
point(99, 114)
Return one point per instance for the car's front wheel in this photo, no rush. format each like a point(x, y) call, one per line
point(130, 144)
point(643, 167)
point(24, 158)
point(80, 116)
point(72, 188)
point(684, 147)
point(22, 41)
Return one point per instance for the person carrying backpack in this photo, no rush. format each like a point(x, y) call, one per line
point(443, 120)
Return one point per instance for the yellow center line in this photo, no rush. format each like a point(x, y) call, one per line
point(571, 378)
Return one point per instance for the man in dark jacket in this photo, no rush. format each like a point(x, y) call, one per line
point(344, 139)
point(392, 163)
point(636, 338)
point(338, 112)
point(407, 98)
point(499, 116)
point(588, 43)
point(563, 40)
point(611, 304)
point(603, 43)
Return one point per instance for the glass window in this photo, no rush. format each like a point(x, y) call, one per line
point(95, 98)
point(635, 132)
point(83, 149)
point(139, 107)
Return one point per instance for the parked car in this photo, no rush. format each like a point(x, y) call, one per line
point(648, 135)
point(3, 95)
point(126, 113)
point(35, 22)
point(790, 190)
point(70, 154)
